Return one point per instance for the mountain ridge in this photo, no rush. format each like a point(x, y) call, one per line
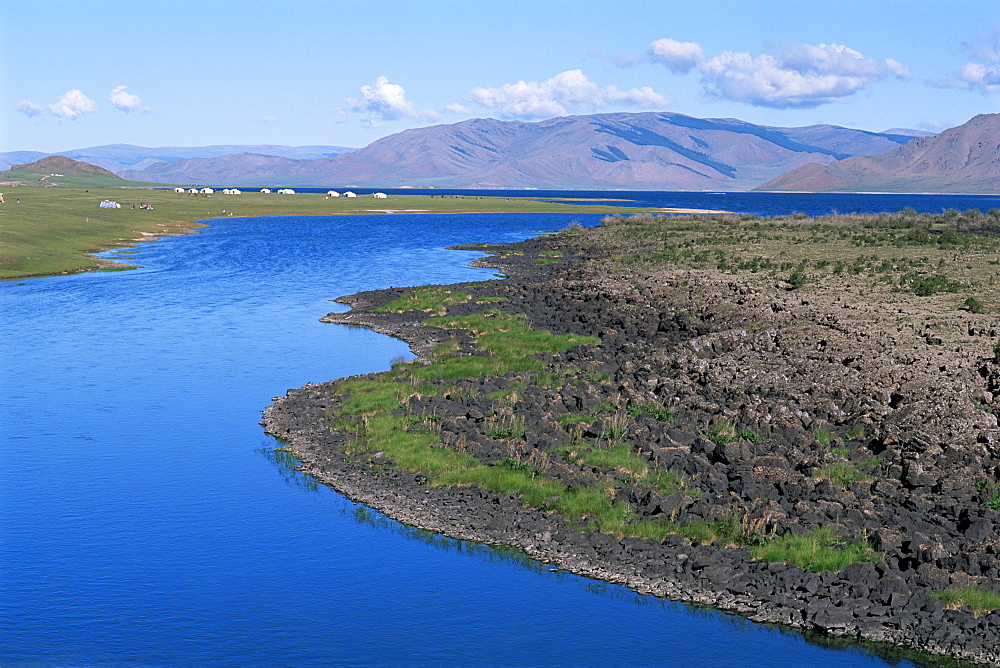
point(649, 150)
point(963, 159)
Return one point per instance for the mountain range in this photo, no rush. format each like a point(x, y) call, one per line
point(127, 157)
point(628, 151)
point(662, 151)
point(963, 159)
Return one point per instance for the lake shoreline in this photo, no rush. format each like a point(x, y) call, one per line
point(888, 602)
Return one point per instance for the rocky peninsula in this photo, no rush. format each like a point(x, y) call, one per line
point(791, 419)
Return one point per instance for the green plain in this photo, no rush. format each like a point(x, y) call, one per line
point(47, 230)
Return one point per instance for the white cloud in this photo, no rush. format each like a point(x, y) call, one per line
point(127, 102)
point(678, 57)
point(804, 76)
point(561, 95)
point(456, 108)
point(983, 73)
point(386, 101)
point(29, 108)
point(72, 104)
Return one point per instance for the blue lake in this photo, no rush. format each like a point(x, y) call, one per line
point(146, 520)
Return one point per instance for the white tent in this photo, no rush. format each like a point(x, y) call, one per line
point(179, 190)
point(332, 193)
point(350, 194)
point(265, 190)
point(379, 195)
point(207, 191)
point(108, 204)
point(286, 191)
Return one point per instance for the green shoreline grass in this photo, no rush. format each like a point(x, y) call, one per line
point(46, 231)
point(375, 413)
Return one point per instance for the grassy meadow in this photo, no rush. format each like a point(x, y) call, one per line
point(49, 230)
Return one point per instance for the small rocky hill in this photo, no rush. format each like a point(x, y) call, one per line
point(59, 164)
point(963, 159)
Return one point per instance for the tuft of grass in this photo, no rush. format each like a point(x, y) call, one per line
point(432, 298)
point(656, 411)
point(505, 427)
point(575, 418)
point(619, 457)
point(668, 482)
point(854, 433)
point(824, 436)
point(820, 550)
point(842, 473)
point(723, 432)
point(981, 601)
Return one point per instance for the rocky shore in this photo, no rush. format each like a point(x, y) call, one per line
point(869, 412)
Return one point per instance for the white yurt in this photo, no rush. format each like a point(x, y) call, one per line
point(332, 193)
point(350, 194)
point(266, 191)
point(379, 195)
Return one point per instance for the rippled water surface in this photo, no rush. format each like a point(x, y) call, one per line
point(146, 520)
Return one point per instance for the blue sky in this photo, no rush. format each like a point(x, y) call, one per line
point(79, 73)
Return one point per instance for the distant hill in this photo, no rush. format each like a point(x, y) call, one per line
point(119, 157)
point(60, 170)
point(664, 151)
point(963, 159)
point(239, 169)
point(907, 131)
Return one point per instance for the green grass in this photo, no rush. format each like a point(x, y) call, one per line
point(818, 551)
point(854, 433)
point(824, 436)
point(980, 600)
point(52, 229)
point(373, 407)
point(619, 457)
point(842, 473)
point(722, 432)
point(434, 298)
point(504, 428)
point(575, 418)
point(656, 411)
point(667, 482)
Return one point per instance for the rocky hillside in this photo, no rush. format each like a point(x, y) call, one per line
point(604, 151)
point(60, 164)
point(964, 159)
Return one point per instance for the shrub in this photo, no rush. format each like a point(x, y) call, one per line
point(973, 305)
point(925, 286)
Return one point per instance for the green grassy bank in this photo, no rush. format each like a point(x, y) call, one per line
point(50, 230)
